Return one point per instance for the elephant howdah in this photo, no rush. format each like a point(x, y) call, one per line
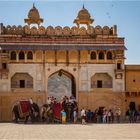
point(24, 108)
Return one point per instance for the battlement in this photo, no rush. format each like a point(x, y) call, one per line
point(59, 31)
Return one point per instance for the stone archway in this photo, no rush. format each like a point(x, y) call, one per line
point(61, 83)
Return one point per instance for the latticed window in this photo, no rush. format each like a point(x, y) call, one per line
point(13, 55)
point(21, 56)
point(93, 55)
point(30, 55)
point(101, 55)
point(109, 55)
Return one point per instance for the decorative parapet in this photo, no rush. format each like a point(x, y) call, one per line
point(97, 31)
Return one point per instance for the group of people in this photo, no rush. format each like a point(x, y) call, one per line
point(69, 112)
point(132, 116)
point(64, 99)
point(68, 107)
point(99, 116)
point(103, 115)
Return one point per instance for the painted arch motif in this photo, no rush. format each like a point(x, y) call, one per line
point(61, 83)
point(101, 80)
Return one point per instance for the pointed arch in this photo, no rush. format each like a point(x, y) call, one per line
point(30, 55)
point(13, 55)
point(93, 55)
point(21, 55)
point(61, 83)
point(101, 55)
point(109, 55)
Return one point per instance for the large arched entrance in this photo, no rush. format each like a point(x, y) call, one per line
point(61, 83)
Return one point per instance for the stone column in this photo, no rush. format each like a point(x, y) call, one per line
point(67, 58)
point(55, 58)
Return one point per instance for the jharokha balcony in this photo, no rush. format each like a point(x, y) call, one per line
point(4, 56)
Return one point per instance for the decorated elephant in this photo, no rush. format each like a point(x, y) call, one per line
point(22, 110)
point(47, 113)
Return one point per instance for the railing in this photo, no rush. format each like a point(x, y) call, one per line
point(4, 56)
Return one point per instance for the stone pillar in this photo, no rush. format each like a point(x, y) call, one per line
point(67, 58)
point(79, 57)
point(105, 55)
point(26, 52)
point(88, 56)
point(44, 72)
point(55, 58)
point(17, 55)
point(97, 56)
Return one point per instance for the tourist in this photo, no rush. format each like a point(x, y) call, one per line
point(110, 116)
point(75, 116)
point(135, 116)
point(127, 115)
point(118, 115)
point(63, 116)
point(100, 115)
point(83, 116)
point(130, 116)
point(95, 115)
point(105, 113)
point(89, 116)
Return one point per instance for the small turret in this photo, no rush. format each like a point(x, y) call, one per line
point(83, 17)
point(33, 17)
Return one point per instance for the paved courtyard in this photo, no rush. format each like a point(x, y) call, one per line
point(10, 131)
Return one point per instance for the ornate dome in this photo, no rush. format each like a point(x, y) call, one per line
point(83, 14)
point(33, 13)
point(33, 16)
point(83, 17)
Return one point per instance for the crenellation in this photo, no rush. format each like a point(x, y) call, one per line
point(60, 31)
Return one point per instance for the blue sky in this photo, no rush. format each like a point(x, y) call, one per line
point(125, 14)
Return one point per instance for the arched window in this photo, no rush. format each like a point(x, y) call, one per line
point(21, 56)
point(13, 55)
point(30, 55)
point(101, 55)
point(109, 55)
point(93, 55)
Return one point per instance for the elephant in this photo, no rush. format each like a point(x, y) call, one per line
point(69, 108)
point(34, 113)
point(47, 113)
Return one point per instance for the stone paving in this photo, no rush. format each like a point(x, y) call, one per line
point(11, 131)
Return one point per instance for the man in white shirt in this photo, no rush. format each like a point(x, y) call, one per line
point(83, 116)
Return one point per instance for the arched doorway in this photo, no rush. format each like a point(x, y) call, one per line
point(132, 106)
point(61, 83)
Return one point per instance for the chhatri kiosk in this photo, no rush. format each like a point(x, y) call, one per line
point(82, 61)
